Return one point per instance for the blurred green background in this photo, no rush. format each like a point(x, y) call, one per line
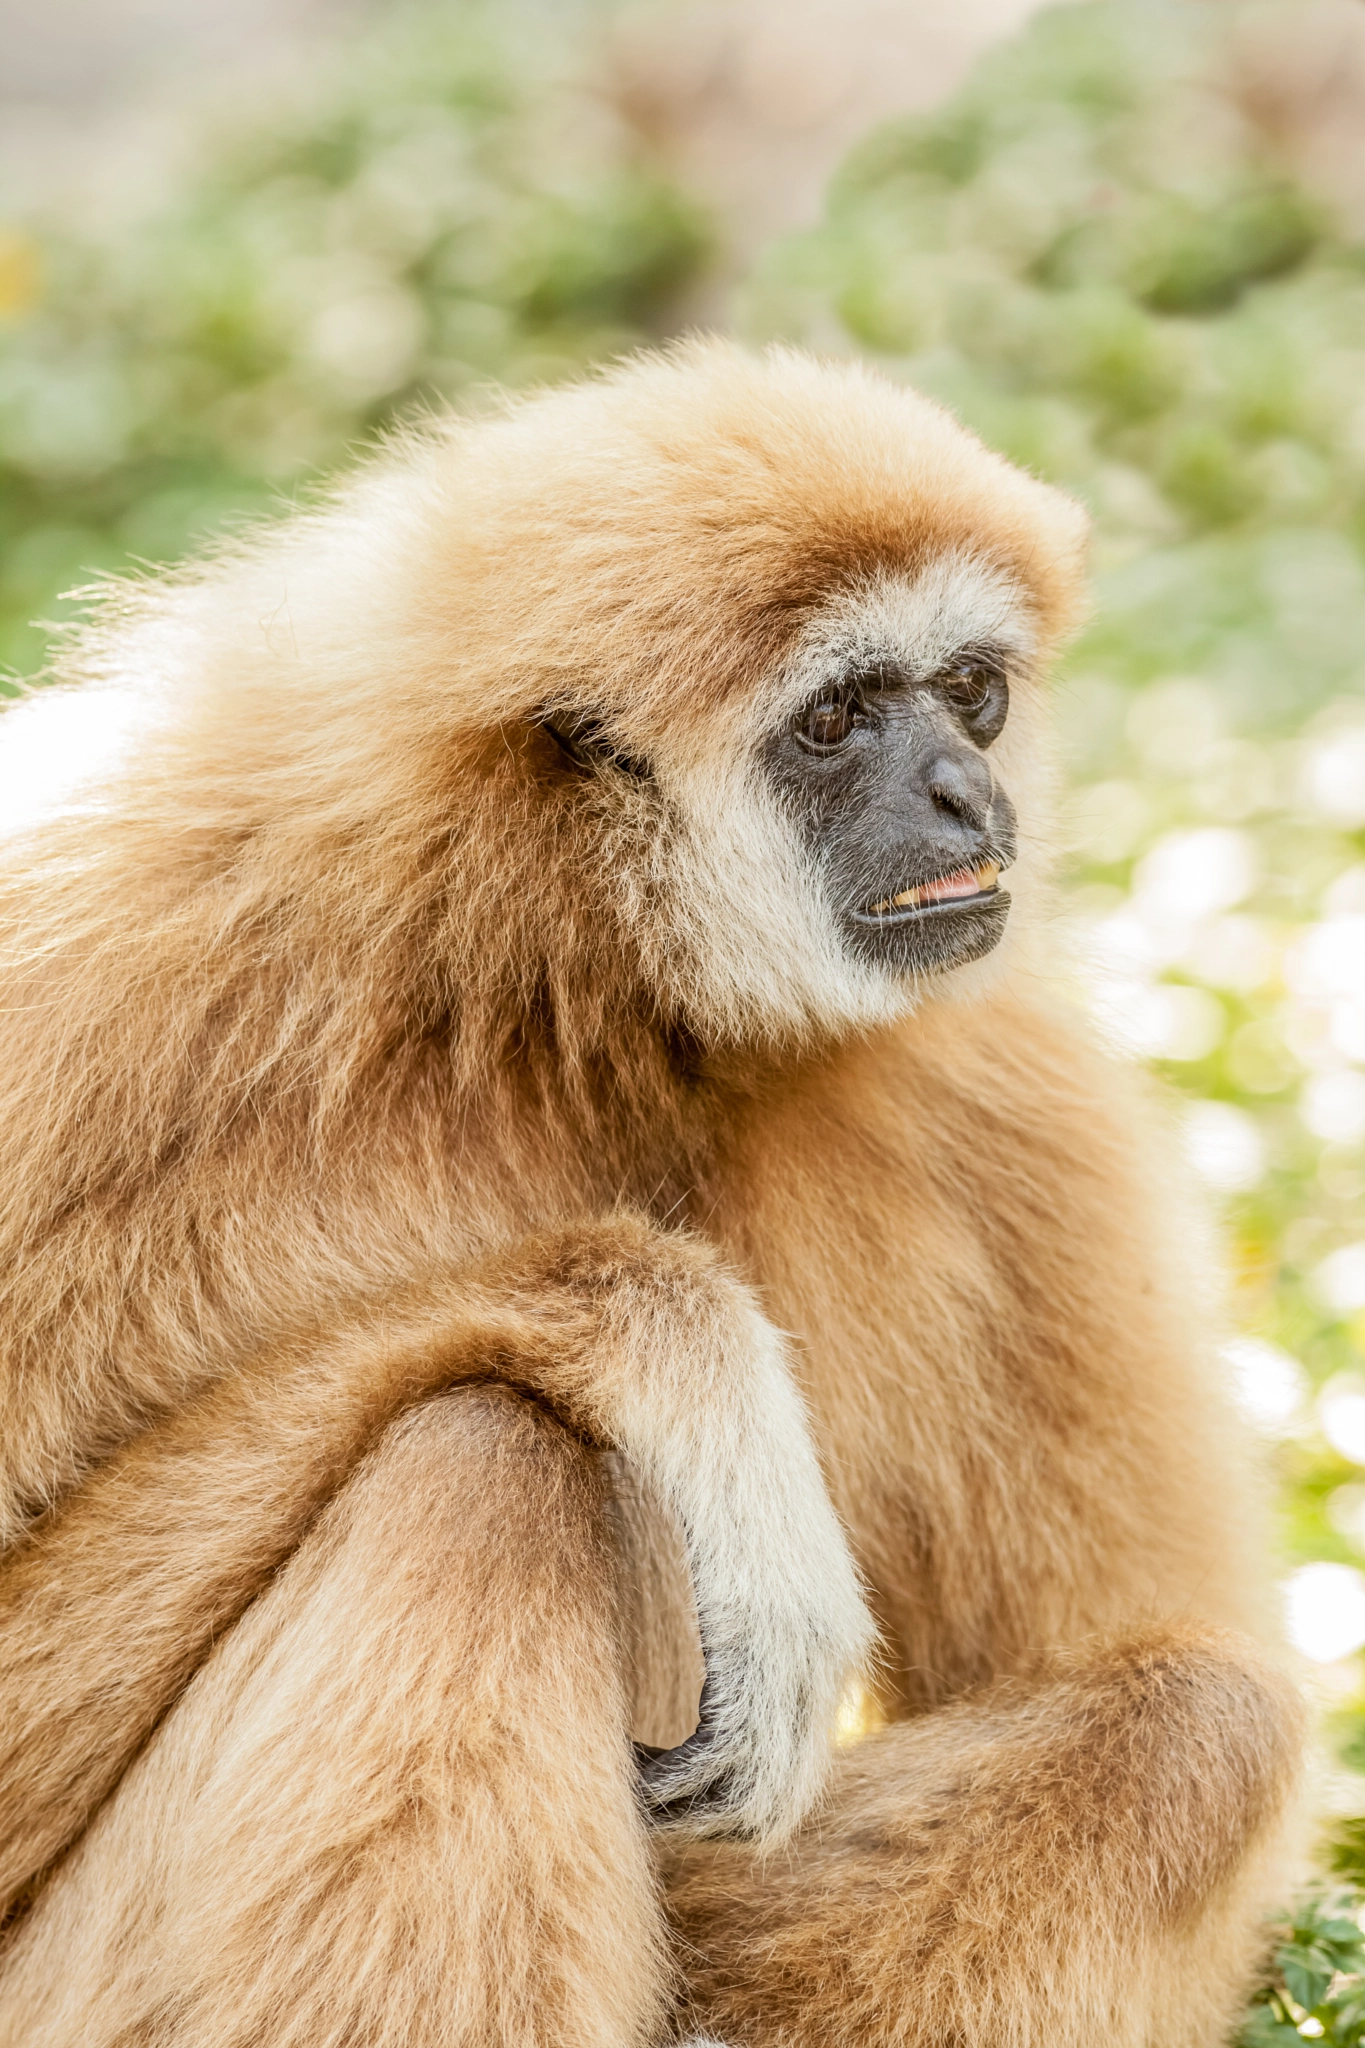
point(1120, 251)
point(441, 204)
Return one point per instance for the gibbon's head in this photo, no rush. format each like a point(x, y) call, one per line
point(708, 689)
point(781, 627)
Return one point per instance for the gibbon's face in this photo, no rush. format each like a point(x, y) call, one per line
point(847, 834)
point(883, 762)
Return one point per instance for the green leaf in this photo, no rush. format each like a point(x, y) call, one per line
point(1307, 1972)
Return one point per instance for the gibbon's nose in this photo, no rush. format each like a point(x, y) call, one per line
point(960, 787)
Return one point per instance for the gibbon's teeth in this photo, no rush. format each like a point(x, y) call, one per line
point(948, 889)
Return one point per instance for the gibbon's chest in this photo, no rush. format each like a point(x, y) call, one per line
point(934, 1221)
point(887, 1207)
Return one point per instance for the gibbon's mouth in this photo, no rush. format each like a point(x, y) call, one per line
point(963, 889)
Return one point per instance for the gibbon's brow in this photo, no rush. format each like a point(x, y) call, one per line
point(887, 672)
point(912, 627)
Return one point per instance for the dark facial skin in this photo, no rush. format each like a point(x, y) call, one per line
point(886, 775)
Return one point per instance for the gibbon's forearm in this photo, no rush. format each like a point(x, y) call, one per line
point(637, 1338)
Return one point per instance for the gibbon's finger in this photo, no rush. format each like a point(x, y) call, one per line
point(691, 1785)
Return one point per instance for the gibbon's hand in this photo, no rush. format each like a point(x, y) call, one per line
point(691, 1383)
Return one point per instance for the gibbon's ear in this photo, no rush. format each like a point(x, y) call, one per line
point(583, 738)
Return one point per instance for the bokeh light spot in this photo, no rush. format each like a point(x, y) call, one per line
point(1224, 1146)
point(1325, 1611)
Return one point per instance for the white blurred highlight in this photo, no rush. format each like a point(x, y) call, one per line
point(1329, 959)
point(1268, 1384)
point(56, 743)
point(1341, 1413)
point(1156, 1021)
point(1325, 1611)
point(1232, 952)
point(1346, 1512)
point(1339, 1282)
point(1224, 1146)
point(1190, 875)
point(1347, 892)
point(1334, 776)
point(1176, 917)
point(1333, 1106)
point(1325, 973)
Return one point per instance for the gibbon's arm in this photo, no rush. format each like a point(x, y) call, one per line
point(637, 1337)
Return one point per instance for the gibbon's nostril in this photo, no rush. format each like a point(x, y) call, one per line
point(962, 786)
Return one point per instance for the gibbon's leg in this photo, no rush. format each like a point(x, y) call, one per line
point(396, 1806)
point(1083, 1861)
point(639, 1338)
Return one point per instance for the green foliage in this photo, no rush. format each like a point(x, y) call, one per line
point(438, 208)
point(1346, 1849)
point(1316, 1987)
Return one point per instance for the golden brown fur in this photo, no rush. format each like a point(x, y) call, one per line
point(1063, 1861)
point(362, 1792)
point(352, 1050)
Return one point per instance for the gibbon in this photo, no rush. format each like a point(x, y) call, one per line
point(551, 1184)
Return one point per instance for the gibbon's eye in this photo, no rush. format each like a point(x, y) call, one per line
point(978, 696)
point(582, 739)
point(828, 722)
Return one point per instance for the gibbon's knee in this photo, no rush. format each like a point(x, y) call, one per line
point(1012, 1865)
point(397, 1802)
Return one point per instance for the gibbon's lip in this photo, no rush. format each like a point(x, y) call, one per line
point(962, 889)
